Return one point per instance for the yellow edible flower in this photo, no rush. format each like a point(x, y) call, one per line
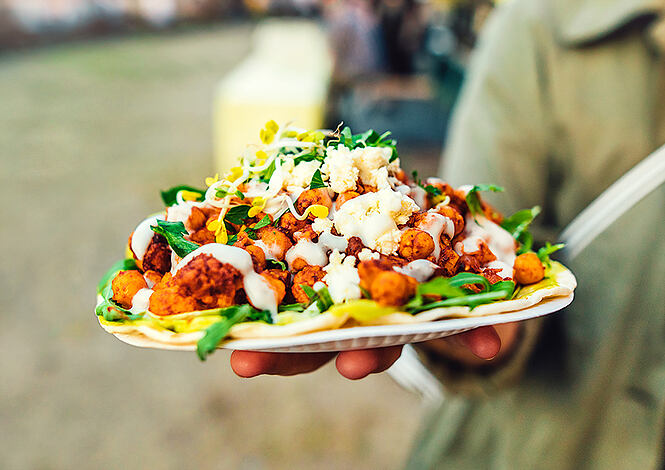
point(268, 133)
point(317, 210)
point(261, 157)
point(235, 173)
point(440, 199)
point(189, 195)
point(221, 236)
point(272, 126)
point(211, 180)
point(258, 204)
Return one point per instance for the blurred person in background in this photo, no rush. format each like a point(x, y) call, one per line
point(562, 99)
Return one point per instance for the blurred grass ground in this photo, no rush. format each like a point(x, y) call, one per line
point(89, 133)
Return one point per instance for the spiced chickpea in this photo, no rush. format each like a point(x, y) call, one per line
point(125, 286)
point(528, 269)
point(415, 244)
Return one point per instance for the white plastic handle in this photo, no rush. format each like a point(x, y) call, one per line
point(615, 201)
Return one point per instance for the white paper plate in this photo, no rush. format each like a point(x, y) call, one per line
point(362, 337)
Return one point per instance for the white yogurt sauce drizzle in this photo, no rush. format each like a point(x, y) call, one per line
point(497, 239)
point(257, 288)
point(315, 254)
point(505, 270)
point(141, 301)
point(434, 224)
point(143, 235)
point(420, 269)
point(310, 252)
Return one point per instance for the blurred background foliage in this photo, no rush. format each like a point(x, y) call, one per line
point(105, 102)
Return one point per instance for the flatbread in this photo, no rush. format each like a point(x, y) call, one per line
point(563, 283)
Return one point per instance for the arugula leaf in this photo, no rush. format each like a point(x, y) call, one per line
point(169, 196)
point(237, 215)
point(463, 279)
point(471, 300)
point(123, 265)
point(454, 294)
point(110, 310)
point(321, 297)
point(518, 224)
point(431, 190)
point(308, 157)
point(317, 181)
point(299, 307)
point(275, 264)
point(370, 138)
point(473, 201)
point(545, 252)
point(175, 232)
point(216, 332)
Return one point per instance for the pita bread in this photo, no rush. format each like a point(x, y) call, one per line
point(561, 283)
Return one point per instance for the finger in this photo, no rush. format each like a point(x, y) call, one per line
point(483, 342)
point(252, 363)
point(358, 364)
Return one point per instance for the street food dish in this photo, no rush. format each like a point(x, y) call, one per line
point(319, 231)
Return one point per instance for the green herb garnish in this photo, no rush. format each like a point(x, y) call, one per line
point(453, 293)
point(299, 307)
point(175, 232)
point(545, 252)
point(223, 192)
point(321, 297)
point(170, 195)
point(237, 214)
point(371, 138)
point(518, 225)
point(473, 200)
point(216, 332)
point(275, 264)
point(317, 181)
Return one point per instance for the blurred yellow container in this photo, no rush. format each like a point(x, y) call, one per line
point(285, 78)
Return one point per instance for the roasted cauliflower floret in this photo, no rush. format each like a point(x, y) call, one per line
point(368, 270)
point(203, 283)
point(125, 285)
point(289, 224)
point(276, 284)
point(454, 215)
point(415, 244)
point(157, 257)
point(153, 276)
point(309, 276)
point(345, 196)
point(311, 197)
point(276, 241)
point(392, 288)
point(483, 254)
point(354, 246)
point(170, 301)
point(528, 269)
point(258, 257)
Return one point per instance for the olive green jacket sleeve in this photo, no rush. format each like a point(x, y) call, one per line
point(499, 136)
